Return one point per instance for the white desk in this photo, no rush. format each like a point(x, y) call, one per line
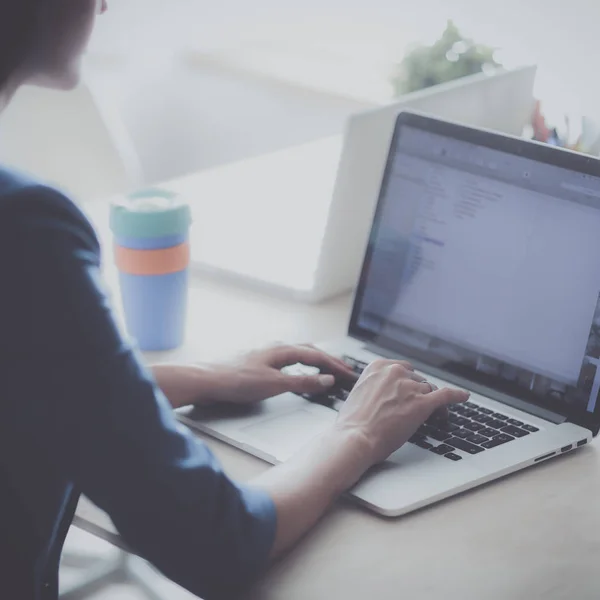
point(533, 535)
point(244, 210)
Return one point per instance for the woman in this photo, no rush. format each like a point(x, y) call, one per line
point(80, 414)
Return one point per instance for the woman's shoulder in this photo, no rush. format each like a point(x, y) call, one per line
point(30, 204)
point(12, 181)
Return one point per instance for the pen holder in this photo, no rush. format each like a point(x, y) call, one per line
point(152, 254)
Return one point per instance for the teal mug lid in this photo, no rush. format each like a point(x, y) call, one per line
point(150, 213)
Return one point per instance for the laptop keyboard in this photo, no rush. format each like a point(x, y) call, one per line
point(468, 430)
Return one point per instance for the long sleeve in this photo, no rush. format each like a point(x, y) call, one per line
point(81, 400)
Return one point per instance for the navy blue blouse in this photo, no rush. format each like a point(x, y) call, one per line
point(79, 414)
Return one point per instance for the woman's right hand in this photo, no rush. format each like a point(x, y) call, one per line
point(388, 404)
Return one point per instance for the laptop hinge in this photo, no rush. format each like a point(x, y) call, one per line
point(528, 407)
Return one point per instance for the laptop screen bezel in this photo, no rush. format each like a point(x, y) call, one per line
point(543, 153)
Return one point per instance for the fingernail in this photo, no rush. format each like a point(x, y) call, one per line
point(326, 380)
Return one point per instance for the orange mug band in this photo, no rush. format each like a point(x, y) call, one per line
point(152, 262)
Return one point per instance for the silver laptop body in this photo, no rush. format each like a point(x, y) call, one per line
point(483, 270)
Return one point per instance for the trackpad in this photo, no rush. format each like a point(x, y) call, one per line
point(284, 434)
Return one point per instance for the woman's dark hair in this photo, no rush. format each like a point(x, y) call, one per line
point(18, 19)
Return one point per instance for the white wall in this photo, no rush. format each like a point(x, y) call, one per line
point(560, 35)
point(204, 117)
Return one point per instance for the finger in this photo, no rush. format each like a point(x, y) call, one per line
point(312, 357)
point(425, 388)
point(399, 371)
point(306, 384)
point(282, 356)
point(420, 379)
point(446, 397)
point(382, 363)
point(342, 364)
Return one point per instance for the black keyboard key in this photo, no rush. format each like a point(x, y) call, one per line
point(530, 428)
point(350, 360)
point(485, 411)
point(458, 409)
point(460, 421)
point(470, 413)
point(453, 456)
point(329, 398)
point(488, 432)
point(338, 393)
point(495, 424)
point(472, 426)
point(470, 405)
point(443, 449)
point(514, 422)
point(438, 419)
point(515, 431)
point(462, 433)
point(497, 441)
point(477, 439)
point(464, 446)
point(482, 418)
point(358, 366)
point(322, 399)
point(423, 444)
point(434, 433)
point(440, 436)
point(447, 426)
point(500, 416)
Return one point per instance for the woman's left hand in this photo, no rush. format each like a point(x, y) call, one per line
point(261, 374)
point(252, 377)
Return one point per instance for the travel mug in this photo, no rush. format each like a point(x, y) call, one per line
point(152, 254)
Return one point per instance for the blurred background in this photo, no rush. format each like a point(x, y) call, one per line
point(201, 83)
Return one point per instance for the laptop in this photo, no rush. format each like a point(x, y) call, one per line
point(322, 194)
point(483, 270)
point(501, 102)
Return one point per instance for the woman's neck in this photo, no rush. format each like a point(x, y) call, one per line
point(5, 98)
point(9, 89)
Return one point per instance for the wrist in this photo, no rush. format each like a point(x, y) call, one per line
point(184, 385)
point(352, 451)
point(358, 442)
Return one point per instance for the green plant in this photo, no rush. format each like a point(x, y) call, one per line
point(449, 58)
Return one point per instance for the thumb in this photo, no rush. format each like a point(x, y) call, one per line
point(308, 384)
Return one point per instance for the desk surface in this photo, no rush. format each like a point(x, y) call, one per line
point(535, 534)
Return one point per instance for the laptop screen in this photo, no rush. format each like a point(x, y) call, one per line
point(486, 263)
